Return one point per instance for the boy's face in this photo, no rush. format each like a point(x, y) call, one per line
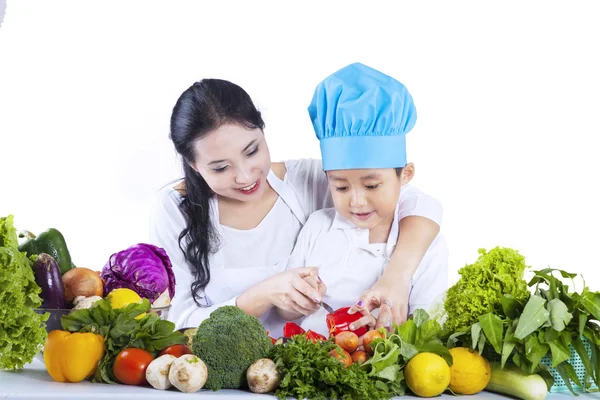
point(367, 197)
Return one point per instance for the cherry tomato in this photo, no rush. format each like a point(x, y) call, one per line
point(176, 350)
point(360, 357)
point(368, 338)
point(347, 340)
point(130, 366)
point(344, 357)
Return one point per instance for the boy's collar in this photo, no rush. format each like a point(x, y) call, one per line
point(340, 222)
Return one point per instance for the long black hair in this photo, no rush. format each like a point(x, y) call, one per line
point(202, 108)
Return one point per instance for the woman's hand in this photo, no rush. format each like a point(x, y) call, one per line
point(298, 290)
point(387, 295)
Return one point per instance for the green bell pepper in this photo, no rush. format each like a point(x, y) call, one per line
point(50, 242)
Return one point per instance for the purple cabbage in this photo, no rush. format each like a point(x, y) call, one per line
point(143, 268)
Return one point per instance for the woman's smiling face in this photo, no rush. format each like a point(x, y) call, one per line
point(234, 161)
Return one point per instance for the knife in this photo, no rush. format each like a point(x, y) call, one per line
point(327, 307)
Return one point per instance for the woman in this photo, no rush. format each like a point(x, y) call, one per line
point(231, 224)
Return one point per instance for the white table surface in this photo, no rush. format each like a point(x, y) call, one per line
point(33, 382)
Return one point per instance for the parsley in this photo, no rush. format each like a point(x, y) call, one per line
point(308, 371)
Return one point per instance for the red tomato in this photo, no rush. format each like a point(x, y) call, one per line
point(176, 350)
point(130, 366)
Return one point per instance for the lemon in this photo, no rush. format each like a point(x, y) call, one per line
point(427, 375)
point(470, 372)
point(119, 298)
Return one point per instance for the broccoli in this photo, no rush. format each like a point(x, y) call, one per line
point(229, 342)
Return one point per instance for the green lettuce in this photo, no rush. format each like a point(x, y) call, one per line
point(482, 285)
point(22, 330)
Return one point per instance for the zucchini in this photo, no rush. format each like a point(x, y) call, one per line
point(48, 277)
point(514, 382)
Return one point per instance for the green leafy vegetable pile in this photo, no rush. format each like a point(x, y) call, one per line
point(548, 324)
point(121, 330)
point(22, 330)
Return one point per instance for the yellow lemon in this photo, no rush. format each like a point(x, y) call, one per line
point(427, 375)
point(119, 298)
point(470, 372)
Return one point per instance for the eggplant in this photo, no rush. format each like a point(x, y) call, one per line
point(48, 278)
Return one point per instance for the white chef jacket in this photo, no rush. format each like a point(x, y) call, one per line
point(348, 264)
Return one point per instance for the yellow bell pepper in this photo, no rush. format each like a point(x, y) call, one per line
point(72, 357)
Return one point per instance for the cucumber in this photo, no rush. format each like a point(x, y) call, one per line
point(48, 277)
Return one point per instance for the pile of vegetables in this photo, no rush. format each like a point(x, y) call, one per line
point(22, 330)
point(121, 330)
point(317, 369)
point(111, 336)
point(551, 321)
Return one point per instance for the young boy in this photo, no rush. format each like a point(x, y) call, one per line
point(361, 117)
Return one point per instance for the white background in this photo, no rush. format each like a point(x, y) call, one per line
point(507, 93)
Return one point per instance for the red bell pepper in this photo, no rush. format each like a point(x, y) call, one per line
point(340, 321)
point(292, 329)
point(314, 336)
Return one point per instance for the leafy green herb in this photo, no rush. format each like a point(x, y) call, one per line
point(308, 371)
point(121, 330)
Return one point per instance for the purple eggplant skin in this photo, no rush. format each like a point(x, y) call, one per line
point(48, 278)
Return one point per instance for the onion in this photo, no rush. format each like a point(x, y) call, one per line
point(81, 282)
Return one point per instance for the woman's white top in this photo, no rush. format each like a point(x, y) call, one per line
point(247, 257)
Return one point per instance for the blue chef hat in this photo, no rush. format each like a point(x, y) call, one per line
point(361, 117)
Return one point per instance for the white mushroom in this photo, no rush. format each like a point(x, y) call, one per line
point(263, 376)
point(81, 302)
point(188, 373)
point(157, 373)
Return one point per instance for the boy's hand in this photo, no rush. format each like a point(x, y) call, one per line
point(390, 297)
